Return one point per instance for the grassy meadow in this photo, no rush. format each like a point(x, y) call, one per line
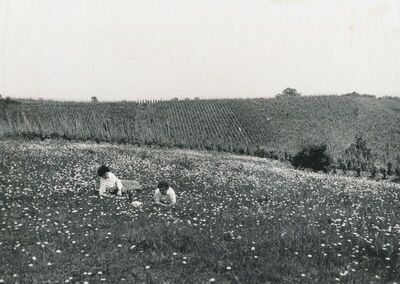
point(239, 219)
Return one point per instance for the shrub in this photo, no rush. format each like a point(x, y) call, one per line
point(397, 174)
point(389, 167)
point(288, 92)
point(342, 165)
point(9, 100)
point(313, 157)
point(383, 171)
point(373, 171)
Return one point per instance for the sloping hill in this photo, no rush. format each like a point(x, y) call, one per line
point(238, 219)
point(280, 126)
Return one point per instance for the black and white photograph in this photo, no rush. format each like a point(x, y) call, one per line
point(199, 141)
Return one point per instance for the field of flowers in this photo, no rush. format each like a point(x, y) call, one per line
point(238, 219)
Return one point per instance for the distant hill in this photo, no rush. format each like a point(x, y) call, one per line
point(278, 127)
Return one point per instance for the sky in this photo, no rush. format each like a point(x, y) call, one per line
point(163, 49)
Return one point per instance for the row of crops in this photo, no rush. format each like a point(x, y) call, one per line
point(277, 126)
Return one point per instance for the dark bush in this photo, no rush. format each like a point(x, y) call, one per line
point(313, 157)
point(8, 100)
point(373, 171)
point(389, 167)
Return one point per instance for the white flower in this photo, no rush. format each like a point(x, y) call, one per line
point(136, 203)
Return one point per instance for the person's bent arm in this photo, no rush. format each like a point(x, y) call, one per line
point(157, 198)
point(172, 196)
point(102, 189)
point(119, 186)
point(116, 182)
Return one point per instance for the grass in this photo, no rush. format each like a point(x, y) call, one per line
point(238, 220)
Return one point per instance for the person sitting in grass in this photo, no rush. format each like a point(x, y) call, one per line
point(164, 195)
point(109, 183)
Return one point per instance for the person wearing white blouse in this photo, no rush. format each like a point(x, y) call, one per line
point(109, 183)
point(164, 195)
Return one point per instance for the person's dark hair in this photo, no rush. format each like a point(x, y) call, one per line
point(163, 184)
point(102, 170)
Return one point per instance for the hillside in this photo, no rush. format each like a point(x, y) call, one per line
point(238, 219)
point(278, 126)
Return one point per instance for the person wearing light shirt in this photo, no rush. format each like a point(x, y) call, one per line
point(164, 195)
point(109, 183)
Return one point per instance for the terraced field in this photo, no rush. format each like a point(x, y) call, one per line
point(280, 127)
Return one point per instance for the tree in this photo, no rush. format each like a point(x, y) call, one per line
point(358, 154)
point(313, 157)
point(288, 92)
point(94, 99)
